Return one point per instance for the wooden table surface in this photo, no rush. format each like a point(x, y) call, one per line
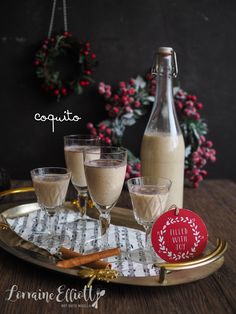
point(214, 201)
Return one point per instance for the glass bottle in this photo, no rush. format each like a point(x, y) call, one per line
point(162, 149)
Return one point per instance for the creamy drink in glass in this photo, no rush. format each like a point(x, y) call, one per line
point(51, 184)
point(105, 176)
point(148, 196)
point(74, 146)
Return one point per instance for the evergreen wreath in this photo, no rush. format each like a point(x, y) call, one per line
point(52, 80)
point(129, 101)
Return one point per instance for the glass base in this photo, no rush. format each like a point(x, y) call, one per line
point(52, 242)
point(79, 224)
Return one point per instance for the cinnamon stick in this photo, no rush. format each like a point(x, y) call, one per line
point(85, 259)
point(66, 253)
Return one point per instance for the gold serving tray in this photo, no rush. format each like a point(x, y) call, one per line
point(170, 274)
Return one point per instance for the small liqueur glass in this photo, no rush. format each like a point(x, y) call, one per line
point(74, 146)
point(51, 185)
point(105, 173)
point(148, 196)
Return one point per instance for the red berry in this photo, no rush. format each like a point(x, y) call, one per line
point(149, 76)
point(202, 138)
point(116, 97)
point(108, 131)
point(107, 94)
point(93, 131)
point(179, 104)
point(132, 81)
point(89, 125)
point(87, 45)
point(102, 127)
point(124, 91)
point(132, 91)
point(187, 112)
point(189, 103)
point(108, 140)
point(203, 172)
point(116, 110)
point(213, 158)
point(200, 178)
point(36, 62)
point(87, 72)
point(137, 104)
point(64, 91)
point(122, 84)
point(209, 144)
point(93, 56)
point(84, 83)
point(129, 168)
point(85, 52)
point(56, 92)
point(101, 90)
point(199, 105)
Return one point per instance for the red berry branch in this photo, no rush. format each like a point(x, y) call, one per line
point(52, 79)
point(128, 102)
point(198, 150)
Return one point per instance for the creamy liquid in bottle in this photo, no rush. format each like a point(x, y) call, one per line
point(162, 155)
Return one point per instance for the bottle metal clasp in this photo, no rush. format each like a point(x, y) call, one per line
point(154, 68)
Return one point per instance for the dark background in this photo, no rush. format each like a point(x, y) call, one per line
point(124, 35)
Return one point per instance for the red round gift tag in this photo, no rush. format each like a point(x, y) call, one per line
point(179, 237)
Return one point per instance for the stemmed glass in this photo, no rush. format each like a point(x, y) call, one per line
point(50, 184)
point(148, 197)
point(105, 174)
point(74, 146)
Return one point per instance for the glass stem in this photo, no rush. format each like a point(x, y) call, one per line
point(104, 219)
point(83, 201)
point(148, 229)
point(51, 228)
